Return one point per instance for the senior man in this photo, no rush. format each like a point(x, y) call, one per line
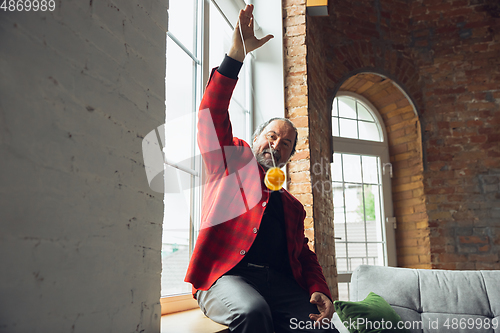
point(253, 272)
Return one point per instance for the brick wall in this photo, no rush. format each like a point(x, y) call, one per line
point(457, 48)
point(321, 179)
point(444, 56)
point(80, 229)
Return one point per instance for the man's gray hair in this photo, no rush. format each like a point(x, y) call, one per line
point(264, 125)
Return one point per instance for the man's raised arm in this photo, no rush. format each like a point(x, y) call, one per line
point(245, 20)
point(214, 126)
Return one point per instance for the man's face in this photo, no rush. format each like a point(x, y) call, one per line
point(281, 136)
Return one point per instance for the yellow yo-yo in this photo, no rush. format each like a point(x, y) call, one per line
point(274, 179)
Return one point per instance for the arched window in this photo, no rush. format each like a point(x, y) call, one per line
point(361, 171)
point(351, 118)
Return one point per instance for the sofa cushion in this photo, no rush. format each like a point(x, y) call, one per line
point(491, 283)
point(395, 285)
point(373, 314)
point(456, 293)
point(434, 300)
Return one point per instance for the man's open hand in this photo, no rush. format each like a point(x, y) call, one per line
point(245, 19)
point(325, 307)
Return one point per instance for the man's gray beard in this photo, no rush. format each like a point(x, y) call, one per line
point(264, 162)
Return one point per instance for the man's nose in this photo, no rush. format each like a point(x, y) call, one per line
point(276, 144)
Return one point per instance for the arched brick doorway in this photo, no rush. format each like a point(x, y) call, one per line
point(405, 149)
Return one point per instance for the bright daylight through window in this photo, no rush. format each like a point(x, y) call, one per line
point(361, 191)
point(190, 56)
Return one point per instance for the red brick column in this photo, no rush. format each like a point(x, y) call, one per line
point(305, 185)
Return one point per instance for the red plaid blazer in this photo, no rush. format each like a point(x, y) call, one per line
point(234, 201)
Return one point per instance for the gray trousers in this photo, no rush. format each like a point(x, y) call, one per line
point(260, 300)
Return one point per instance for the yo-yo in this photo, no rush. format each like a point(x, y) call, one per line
point(274, 179)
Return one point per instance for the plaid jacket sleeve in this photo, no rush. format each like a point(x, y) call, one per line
point(214, 125)
point(312, 271)
point(304, 262)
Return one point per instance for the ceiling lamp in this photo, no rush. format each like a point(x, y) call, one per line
point(317, 7)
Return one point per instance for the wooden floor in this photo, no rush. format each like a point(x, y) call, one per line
point(192, 321)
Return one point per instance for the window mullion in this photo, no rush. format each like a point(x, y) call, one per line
point(185, 49)
point(345, 213)
point(196, 183)
point(364, 206)
point(223, 15)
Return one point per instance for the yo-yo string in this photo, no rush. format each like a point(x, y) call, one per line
point(271, 152)
point(252, 90)
point(242, 40)
point(245, 52)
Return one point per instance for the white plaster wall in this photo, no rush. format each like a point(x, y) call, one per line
point(80, 230)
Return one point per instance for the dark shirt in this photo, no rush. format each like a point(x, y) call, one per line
point(230, 67)
point(270, 246)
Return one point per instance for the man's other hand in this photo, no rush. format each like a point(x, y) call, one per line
point(325, 307)
point(245, 19)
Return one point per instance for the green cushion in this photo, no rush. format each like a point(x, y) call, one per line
point(373, 314)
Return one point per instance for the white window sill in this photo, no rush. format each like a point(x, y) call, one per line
point(190, 321)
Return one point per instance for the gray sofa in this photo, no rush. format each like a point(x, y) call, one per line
point(434, 300)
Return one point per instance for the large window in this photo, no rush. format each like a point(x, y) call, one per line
point(199, 36)
point(361, 189)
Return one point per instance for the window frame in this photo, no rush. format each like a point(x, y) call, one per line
point(381, 150)
point(201, 51)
